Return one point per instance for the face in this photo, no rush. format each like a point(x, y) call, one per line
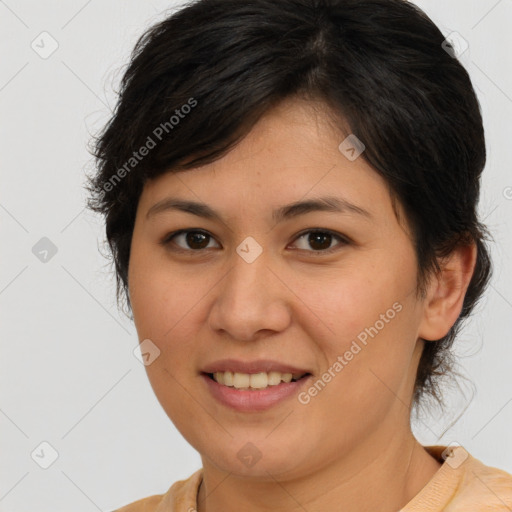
point(329, 292)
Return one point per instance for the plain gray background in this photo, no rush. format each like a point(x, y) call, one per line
point(68, 374)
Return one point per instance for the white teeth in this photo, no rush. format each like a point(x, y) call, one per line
point(274, 378)
point(241, 380)
point(254, 380)
point(228, 378)
point(287, 377)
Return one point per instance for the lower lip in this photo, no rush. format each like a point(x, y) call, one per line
point(253, 400)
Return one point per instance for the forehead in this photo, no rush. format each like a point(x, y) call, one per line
point(292, 153)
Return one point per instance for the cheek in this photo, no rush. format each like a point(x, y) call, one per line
point(366, 372)
point(159, 294)
point(350, 301)
point(370, 312)
point(163, 308)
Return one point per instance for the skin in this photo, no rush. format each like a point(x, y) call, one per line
point(295, 305)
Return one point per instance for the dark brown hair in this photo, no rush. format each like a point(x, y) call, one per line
point(198, 81)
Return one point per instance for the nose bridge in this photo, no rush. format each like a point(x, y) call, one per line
point(249, 269)
point(250, 297)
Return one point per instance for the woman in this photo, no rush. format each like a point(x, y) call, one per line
point(290, 193)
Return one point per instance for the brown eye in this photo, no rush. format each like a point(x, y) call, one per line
point(196, 240)
point(320, 241)
point(189, 240)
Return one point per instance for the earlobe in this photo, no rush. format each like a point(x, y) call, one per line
point(446, 293)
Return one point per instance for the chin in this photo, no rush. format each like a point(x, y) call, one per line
point(260, 459)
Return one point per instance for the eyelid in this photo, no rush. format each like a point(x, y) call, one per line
point(343, 239)
point(167, 240)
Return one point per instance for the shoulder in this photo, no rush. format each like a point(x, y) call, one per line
point(488, 486)
point(463, 483)
point(181, 497)
point(148, 504)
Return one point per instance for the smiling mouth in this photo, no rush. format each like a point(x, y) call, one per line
point(254, 381)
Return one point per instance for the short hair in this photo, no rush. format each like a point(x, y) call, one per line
point(199, 80)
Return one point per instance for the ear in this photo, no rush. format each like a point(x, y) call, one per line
point(446, 292)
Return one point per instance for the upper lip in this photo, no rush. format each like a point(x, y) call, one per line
point(257, 366)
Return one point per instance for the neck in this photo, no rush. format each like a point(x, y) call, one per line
point(381, 476)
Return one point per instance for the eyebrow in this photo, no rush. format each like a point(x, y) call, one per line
point(321, 204)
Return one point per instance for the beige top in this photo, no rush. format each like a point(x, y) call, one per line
point(461, 484)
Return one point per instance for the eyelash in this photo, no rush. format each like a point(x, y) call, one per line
point(342, 239)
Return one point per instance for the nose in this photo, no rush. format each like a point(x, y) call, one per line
point(251, 301)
